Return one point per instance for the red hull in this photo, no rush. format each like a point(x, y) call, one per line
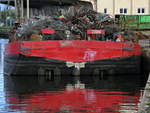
point(74, 51)
point(91, 57)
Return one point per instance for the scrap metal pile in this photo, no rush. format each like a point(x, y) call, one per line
point(134, 36)
point(75, 21)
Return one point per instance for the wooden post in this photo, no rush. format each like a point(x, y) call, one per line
point(28, 14)
point(22, 9)
point(131, 12)
point(114, 7)
point(149, 7)
point(16, 8)
point(95, 5)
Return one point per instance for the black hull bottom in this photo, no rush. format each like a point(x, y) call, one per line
point(22, 65)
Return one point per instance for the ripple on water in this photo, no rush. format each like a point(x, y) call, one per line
point(113, 94)
point(2, 93)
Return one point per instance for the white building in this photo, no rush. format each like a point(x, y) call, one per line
point(128, 7)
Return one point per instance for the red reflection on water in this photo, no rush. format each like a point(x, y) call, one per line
point(73, 101)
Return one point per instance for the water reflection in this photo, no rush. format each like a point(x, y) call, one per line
point(86, 94)
point(67, 94)
point(2, 94)
point(3, 42)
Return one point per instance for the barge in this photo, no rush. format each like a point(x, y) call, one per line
point(62, 57)
point(91, 52)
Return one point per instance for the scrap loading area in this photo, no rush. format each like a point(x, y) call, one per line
point(70, 32)
point(82, 61)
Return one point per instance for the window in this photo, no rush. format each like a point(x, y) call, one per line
point(139, 10)
point(143, 10)
point(121, 10)
point(125, 10)
point(105, 10)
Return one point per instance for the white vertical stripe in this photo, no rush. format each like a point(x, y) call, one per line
point(28, 9)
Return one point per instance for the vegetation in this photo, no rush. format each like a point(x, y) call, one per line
point(7, 17)
point(149, 99)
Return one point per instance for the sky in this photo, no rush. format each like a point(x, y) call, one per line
point(2, 6)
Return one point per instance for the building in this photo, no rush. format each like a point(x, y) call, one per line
point(112, 7)
point(127, 7)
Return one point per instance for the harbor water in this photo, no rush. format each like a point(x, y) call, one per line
point(69, 94)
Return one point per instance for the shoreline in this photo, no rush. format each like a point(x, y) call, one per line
point(145, 99)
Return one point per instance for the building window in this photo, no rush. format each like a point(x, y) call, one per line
point(121, 10)
point(139, 10)
point(125, 10)
point(105, 10)
point(143, 10)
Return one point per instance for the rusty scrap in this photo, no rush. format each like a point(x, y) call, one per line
point(76, 20)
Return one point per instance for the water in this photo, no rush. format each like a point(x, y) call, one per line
point(68, 94)
point(2, 93)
